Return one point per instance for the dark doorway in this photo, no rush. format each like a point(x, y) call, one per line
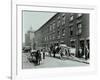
point(82, 47)
point(88, 43)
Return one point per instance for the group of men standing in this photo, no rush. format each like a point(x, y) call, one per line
point(39, 56)
point(54, 49)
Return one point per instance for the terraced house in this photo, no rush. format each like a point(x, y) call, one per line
point(71, 29)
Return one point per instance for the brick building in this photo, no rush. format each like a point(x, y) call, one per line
point(71, 29)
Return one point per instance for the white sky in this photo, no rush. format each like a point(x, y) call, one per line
point(34, 20)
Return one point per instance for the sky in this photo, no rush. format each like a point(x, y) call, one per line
point(35, 20)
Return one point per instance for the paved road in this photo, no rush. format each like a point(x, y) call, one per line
point(49, 62)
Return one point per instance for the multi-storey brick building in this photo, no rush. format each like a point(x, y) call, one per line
point(71, 29)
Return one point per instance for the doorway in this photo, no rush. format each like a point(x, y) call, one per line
point(82, 46)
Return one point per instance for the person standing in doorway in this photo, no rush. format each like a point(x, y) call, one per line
point(80, 52)
point(86, 53)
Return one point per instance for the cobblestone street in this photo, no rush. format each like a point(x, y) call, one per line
point(51, 62)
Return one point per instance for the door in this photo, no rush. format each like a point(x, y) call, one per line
point(82, 47)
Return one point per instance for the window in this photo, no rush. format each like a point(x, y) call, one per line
point(63, 19)
point(50, 37)
point(79, 26)
point(78, 21)
point(71, 18)
point(63, 32)
point(73, 44)
point(71, 30)
point(53, 36)
point(47, 38)
point(58, 34)
point(53, 26)
point(79, 14)
point(50, 27)
point(58, 22)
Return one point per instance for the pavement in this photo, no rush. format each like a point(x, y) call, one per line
point(82, 60)
point(73, 58)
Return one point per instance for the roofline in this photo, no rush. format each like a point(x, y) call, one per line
point(46, 22)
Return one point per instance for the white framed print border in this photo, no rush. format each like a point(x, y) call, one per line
point(17, 72)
